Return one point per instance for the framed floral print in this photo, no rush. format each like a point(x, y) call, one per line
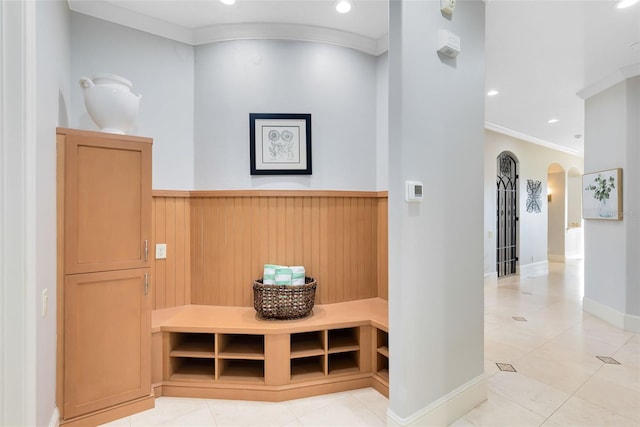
point(602, 195)
point(280, 144)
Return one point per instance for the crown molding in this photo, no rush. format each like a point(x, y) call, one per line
point(128, 18)
point(620, 75)
point(532, 139)
point(226, 32)
point(266, 31)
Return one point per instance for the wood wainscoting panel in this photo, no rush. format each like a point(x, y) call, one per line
point(171, 282)
point(218, 242)
point(334, 235)
point(383, 248)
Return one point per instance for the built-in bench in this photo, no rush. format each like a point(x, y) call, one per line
point(229, 353)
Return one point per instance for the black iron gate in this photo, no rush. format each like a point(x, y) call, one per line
point(507, 215)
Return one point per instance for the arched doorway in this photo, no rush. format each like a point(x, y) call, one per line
point(507, 214)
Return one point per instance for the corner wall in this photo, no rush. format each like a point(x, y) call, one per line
point(612, 248)
point(34, 87)
point(436, 121)
point(52, 94)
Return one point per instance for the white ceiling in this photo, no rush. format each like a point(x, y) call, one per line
point(539, 53)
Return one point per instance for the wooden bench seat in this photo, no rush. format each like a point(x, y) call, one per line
point(228, 352)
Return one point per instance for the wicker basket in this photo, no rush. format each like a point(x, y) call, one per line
point(284, 302)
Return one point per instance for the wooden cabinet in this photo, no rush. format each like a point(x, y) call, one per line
point(107, 201)
point(104, 298)
point(107, 340)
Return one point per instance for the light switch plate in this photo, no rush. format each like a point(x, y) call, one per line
point(45, 302)
point(161, 251)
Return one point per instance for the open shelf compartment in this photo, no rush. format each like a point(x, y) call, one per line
point(382, 367)
point(307, 368)
point(382, 342)
point(344, 363)
point(306, 344)
point(241, 346)
point(188, 344)
point(192, 369)
point(238, 370)
point(343, 340)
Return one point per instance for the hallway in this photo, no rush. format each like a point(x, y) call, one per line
point(534, 324)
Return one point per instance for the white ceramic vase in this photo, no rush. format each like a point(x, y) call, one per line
point(110, 102)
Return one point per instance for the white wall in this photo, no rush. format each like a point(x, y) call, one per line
point(534, 161)
point(436, 121)
point(382, 120)
point(52, 92)
point(17, 214)
point(34, 70)
point(336, 85)
point(161, 70)
point(557, 225)
point(574, 197)
point(612, 248)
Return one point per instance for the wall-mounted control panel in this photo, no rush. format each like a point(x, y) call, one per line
point(448, 6)
point(414, 192)
point(448, 43)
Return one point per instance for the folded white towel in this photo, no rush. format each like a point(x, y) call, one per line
point(297, 275)
point(283, 276)
point(269, 275)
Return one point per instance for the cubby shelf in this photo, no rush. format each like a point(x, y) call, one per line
point(222, 352)
point(236, 346)
point(307, 344)
point(192, 369)
point(307, 368)
point(192, 357)
point(382, 355)
point(343, 340)
point(193, 345)
point(237, 370)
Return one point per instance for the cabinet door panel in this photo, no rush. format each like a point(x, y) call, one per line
point(107, 203)
point(107, 340)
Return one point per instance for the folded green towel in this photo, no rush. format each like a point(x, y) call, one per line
point(269, 275)
point(283, 276)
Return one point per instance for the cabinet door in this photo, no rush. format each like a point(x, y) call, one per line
point(107, 203)
point(107, 340)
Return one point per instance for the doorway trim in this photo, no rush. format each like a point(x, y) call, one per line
point(506, 214)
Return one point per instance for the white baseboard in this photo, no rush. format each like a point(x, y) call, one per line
point(531, 268)
point(624, 321)
point(55, 418)
point(448, 408)
point(556, 258)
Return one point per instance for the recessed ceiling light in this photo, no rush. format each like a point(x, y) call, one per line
point(343, 6)
point(228, 2)
point(623, 4)
point(492, 92)
point(551, 121)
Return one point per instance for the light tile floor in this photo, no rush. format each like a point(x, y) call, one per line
point(559, 381)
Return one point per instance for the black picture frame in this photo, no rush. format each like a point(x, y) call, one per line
point(280, 144)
